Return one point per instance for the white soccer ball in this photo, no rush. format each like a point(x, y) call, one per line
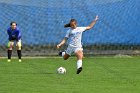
point(61, 70)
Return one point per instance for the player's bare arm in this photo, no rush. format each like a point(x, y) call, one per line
point(62, 42)
point(92, 23)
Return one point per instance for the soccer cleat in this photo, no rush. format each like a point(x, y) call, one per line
point(79, 70)
point(19, 60)
point(60, 53)
point(9, 60)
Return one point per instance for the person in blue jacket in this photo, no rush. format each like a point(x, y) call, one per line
point(14, 37)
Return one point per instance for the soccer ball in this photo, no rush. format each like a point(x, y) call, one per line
point(61, 70)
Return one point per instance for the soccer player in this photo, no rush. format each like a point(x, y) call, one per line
point(74, 45)
point(14, 37)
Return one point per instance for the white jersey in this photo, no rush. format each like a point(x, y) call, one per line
point(75, 36)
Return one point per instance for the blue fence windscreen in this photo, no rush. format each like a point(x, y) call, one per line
point(41, 22)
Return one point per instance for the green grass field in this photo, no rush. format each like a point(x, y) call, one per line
point(99, 75)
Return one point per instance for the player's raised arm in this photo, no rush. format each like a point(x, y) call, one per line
point(92, 23)
point(62, 42)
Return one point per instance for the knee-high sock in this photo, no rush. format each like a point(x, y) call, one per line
point(79, 64)
point(63, 53)
point(19, 54)
point(9, 52)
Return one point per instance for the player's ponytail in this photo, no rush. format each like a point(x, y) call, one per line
point(68, 25)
